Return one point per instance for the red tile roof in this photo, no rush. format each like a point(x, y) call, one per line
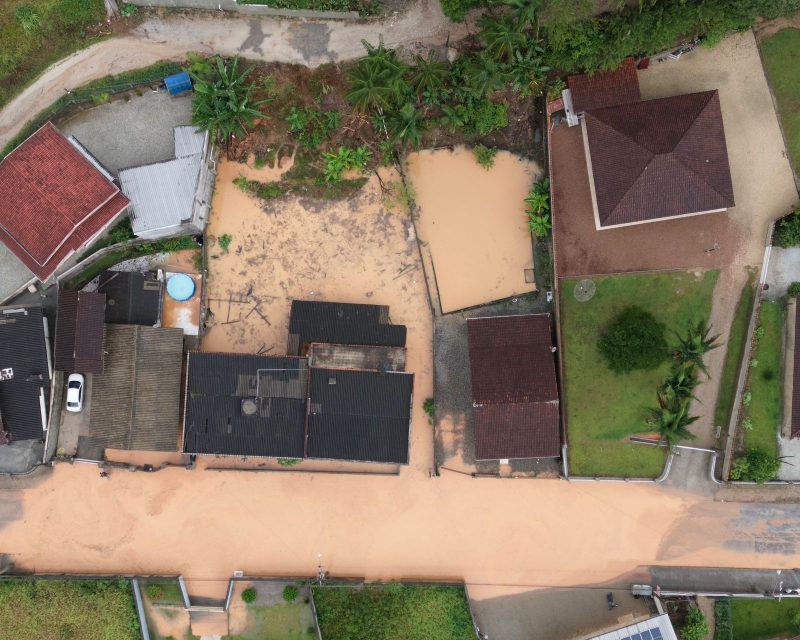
point(659, 158)
point(54, 200)
point(605, 89)
point(514, 390)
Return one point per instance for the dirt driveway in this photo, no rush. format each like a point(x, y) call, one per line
point(360, 250)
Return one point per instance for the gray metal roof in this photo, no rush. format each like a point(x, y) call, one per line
point(162, 194)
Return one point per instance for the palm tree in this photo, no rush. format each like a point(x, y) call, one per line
point(452, 117)
point(538, 199)
point(527, 71)
point(484, 75)
point(680, 384)
point(502, 36)
point(376, 81)
point(428, 75)
point(222, 103)
point(525, 12)
point(695, 345)
point(671, 419)
point(406, 125)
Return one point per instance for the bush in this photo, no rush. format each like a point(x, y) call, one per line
point(723, 623)
point(249, 595)
point(787, 230)
point(343, 160)
point(794, 289)
point(290, 593)
point(633, 340)
point(484, 155)
point(289, 462)
point(696, 627)
point(756, 466)
point(155, 591)
point(429, 407)
point(225, 242)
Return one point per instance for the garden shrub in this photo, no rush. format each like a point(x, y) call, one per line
point(485, 155)
point(155, 591)
point(787, 230)
point(429, 407)
point(794, 289)
point(290, 593)
point(696, 627)
point(723, 620)
point(249, 595)
point(633, 340)
point(756, 466)
point(225, 242)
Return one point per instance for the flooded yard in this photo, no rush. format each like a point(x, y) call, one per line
point(358, 250)
point(472, 221)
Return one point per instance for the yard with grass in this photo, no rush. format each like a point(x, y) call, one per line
point(36, 33)
point(393, 612)
point(604, 408)
point(781, 54)
point(278, 622)
point(58, 609)
point(763, 405)
point(764, 619)
point(733, 353)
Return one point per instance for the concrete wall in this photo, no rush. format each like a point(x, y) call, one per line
point(249, 9)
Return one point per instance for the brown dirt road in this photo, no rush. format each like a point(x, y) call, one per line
point(305, 42)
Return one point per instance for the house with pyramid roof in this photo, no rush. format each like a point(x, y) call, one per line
point(649, 160)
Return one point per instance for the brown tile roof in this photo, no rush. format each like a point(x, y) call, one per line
point(79, 331)
point(659, 158)
point(605, 89)
point(54, 200)
point(514, 390)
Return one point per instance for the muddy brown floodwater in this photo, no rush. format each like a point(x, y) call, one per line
point(472, 220)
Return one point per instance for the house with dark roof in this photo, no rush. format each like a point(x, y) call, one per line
point(56, 201)
point(80, 329)
point(515, 403)
point(25, 373)
point(245, 405)
point(131, 297)
point(649, 160)
point(341, 323)
point(136, 400)
point(360, 415)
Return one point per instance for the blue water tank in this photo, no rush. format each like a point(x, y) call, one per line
point(178, 83)
point(180, 287)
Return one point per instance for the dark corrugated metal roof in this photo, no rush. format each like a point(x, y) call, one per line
point(605, 88)
point(136, 400)
point(79, 331)
point(659, 158)
point(132, 298)
point(360, 415)
point(341, 323)
point(217, 420)
point(514, 388)
point(22, 349)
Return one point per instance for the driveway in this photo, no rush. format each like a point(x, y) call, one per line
point(306, 42)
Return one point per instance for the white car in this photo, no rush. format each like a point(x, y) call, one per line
point(75, 392)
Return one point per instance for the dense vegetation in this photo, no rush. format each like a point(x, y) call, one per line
point(363, 7)
point(59, 609)
point(36, 33)
point(393, 611)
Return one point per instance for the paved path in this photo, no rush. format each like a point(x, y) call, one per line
point(310, 43)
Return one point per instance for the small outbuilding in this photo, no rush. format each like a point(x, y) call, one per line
point(131, 297)
point(515, 404)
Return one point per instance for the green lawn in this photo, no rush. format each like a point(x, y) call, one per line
point(733, 354)
point(393, 612)
point(765, 384)
point(279, 622)
point(55, 28)
point(763, 619)
point(58, 609)
point(604, 408)
point(781, 54)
